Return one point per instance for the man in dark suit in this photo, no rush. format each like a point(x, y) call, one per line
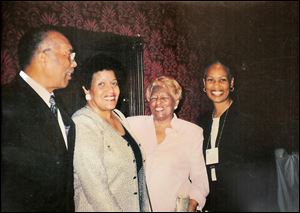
point(37, 136)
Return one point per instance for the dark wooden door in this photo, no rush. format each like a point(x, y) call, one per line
point(126, 50)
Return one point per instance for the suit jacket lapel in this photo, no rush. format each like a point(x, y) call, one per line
point(46, 119)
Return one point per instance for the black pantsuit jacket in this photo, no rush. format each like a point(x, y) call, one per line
point(36, 166)
point(245, 170)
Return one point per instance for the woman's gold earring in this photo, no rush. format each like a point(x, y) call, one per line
point(204, 90)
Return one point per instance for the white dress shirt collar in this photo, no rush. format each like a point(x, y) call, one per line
point(45, 95)
point(39, 89)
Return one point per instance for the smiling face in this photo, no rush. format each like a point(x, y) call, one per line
point(162, 103)
point(104, 91)
point(217, 84)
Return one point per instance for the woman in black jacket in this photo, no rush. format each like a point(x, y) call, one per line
point(232, 148)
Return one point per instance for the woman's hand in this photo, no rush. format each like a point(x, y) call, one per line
point(193, 205)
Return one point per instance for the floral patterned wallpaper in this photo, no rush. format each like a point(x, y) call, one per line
point(165, 48)
point(180, 38)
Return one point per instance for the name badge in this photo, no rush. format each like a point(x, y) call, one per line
point(212, 156)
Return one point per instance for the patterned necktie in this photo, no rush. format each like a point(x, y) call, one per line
point(53, 106)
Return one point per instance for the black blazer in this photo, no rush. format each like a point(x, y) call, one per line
point(36, 167)
point(241, 171)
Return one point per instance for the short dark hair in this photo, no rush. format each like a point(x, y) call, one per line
point(226, 68)
point(100, 62)
point(30, 42)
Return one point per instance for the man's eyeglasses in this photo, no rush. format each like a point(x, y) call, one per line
point(70, 55)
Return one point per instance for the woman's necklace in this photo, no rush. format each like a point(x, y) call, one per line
point(214, 112)
point(221, 132)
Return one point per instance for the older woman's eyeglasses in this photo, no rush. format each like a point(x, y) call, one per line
point(163, 99)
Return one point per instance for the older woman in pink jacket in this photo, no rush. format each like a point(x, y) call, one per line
point(175, 164)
